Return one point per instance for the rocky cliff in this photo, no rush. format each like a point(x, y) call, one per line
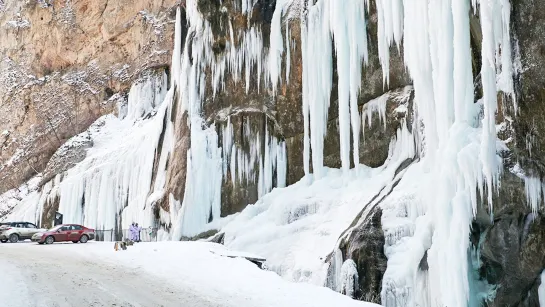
point(66, 63)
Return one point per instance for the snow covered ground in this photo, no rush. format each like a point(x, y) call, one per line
point(297, 227)
point(57, 278)
point(147, 274)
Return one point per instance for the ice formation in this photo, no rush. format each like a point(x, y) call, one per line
point(207, 160)
point(125, 173)
point(284, 225)
point(427, 212)
point(112, 184)
point(241, 165)
point(468, 150)
point(349, 278)
point(460, 157)
point(346, 24)
point(377, 105)
point(535, 191)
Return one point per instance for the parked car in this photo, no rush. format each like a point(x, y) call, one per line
point(65, 233)
point(17, 231)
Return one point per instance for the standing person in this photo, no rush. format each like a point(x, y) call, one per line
point(137, 230)
point(132, 232)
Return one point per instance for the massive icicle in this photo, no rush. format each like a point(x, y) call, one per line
point(460, 154)
point(390, 29)
point(346, 26)
point(317, 83)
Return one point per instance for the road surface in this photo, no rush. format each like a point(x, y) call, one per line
point(51, 276)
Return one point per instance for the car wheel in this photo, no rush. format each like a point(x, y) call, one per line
point(14, 238)
point(4, 241)
point(49, 240)
point(84, 239)
point(75, 241)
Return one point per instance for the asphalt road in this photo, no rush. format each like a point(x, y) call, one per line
point(50, 276)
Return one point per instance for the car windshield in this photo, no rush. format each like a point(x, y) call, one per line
point(55, 228)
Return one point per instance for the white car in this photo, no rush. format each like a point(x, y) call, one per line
point(18, 231)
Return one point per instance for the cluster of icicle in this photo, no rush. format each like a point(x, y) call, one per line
point(460, 149)
point(111, 189)
point(343, 276)
point(209, 159)
point(240, 165)
point(113, 186)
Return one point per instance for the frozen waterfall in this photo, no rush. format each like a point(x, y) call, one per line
point(124, 174)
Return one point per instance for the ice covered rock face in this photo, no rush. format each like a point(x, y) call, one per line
point(530, 120)
point(249, 114)
point(244, 101)
point(60, 62)
point(512, 247)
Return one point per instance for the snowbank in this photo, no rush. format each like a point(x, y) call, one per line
point(15, 291)
point(297, 227)
point(231, 282)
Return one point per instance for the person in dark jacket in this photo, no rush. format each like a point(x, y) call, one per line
point(137, 230)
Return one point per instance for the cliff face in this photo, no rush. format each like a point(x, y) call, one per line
point(61, 64)
point(64, 64)
point(511, 240)
point(279, 113)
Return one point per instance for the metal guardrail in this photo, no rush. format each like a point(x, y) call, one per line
point(111, 235)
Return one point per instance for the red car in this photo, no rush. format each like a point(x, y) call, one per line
point(65, 233)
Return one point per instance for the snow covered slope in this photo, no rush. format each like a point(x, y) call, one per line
point(296, 228)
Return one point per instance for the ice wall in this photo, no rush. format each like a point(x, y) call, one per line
point(109, 189)
point(459, 146)
point(459, 163)
point(209, 158)
point(460, 152)
point(125, 173)
point(285, 225)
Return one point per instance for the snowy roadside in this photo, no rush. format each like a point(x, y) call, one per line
point(14, 291)
point(191, 265)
